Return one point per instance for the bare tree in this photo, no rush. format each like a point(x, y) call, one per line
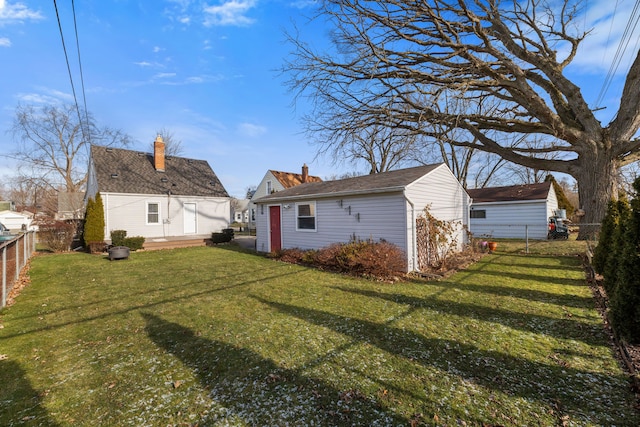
point(53, 145)
point(405, 62)
point(172, 145)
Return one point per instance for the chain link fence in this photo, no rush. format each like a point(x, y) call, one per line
point(14, 255)
point(536, 238)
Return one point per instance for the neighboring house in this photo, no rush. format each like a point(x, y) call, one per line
point(154, 196)
point(380, 206)
point(240, 210)
point(70, 206)
point(7, 205)
point(275, 181)
point(17, 221)
point(515, 211)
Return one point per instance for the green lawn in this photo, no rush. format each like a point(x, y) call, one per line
point(213, 336)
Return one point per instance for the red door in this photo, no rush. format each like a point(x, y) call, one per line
point(274, 228)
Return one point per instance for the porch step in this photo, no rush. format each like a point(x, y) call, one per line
point(172, 244)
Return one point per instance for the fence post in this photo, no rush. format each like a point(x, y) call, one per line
point(17, 251)
point(4, 276)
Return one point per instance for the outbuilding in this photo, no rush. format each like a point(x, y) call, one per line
point(516, 211)
point(384, 206)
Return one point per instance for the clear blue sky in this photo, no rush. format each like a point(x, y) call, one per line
point(206, 71)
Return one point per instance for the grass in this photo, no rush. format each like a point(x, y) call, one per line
point(213, 336)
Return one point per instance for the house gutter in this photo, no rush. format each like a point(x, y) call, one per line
point(270, 199)
point(414, 240)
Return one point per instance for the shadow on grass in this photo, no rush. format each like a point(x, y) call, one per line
point(167, 298)
point(571, 390)
point(256, 390)
point(20, 404)
point(563, 300)
point(569, 329)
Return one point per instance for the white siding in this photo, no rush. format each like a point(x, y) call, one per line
point(380, 216)
point(511, 220)
point(376, 216)
point(444, 196)
point(129, 212)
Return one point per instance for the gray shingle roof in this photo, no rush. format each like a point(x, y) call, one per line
point(376, 183)
point(133, 172)
point(511, 193)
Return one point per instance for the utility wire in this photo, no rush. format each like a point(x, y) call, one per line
point(66, 57)
point(622, 46)
point(87, 136)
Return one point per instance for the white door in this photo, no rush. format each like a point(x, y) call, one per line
point(190, 218)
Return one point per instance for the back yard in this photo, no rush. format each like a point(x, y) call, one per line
point(214, 336)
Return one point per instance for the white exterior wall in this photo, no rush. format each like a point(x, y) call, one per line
point(446, 199)
point(379, 216)
point(261, 191)
point(512, 220)
point(388, 216)
point(129, 212)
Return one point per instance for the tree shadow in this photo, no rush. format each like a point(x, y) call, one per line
point(257, 391)
point(567, 389)
point(563, 300)
point(20, 403)
point(569, 329)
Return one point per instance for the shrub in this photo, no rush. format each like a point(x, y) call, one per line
point(133, 243)
point(625, 302)
point(56, 235)
point(117, 237)
point(223, 237)
point(380, 260)
point(94, 224)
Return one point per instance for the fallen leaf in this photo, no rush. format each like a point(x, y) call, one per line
point(177, 383)
point(3, 357)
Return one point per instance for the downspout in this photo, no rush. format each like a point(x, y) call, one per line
point(105, 204)
point(414, 240)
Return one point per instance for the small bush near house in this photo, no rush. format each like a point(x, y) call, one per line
point(380, 260)
point(134, 243)
point(56, 235)
point(225, 236)
point(117, 237)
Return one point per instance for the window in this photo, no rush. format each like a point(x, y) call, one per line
point(153, 213)
point(306, 213)
point(269, 188)
point(481, 213)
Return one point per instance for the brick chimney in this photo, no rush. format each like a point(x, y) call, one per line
point(305, 173)
point(158, 154)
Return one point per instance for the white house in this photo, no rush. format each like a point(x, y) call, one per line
point(379, 206)
point(17, 221)
point(515, 211)
point(274, 181)
point(154, 196)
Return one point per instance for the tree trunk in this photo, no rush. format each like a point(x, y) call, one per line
point(596, 186)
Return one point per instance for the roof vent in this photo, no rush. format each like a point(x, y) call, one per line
point(189, 160)
point(109, 149)
point(114, 175)
point(140, 153)
point(164, 179)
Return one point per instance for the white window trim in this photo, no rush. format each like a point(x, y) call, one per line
point(315, 217)
point(147, 214)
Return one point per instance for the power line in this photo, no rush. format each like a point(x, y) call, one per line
point(84, 97)
point(66, 57)
point(622, 46)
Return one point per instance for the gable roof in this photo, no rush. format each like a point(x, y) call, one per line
point(126, 171)
point(383, 182)
point(288, 179)
point(524, 192)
